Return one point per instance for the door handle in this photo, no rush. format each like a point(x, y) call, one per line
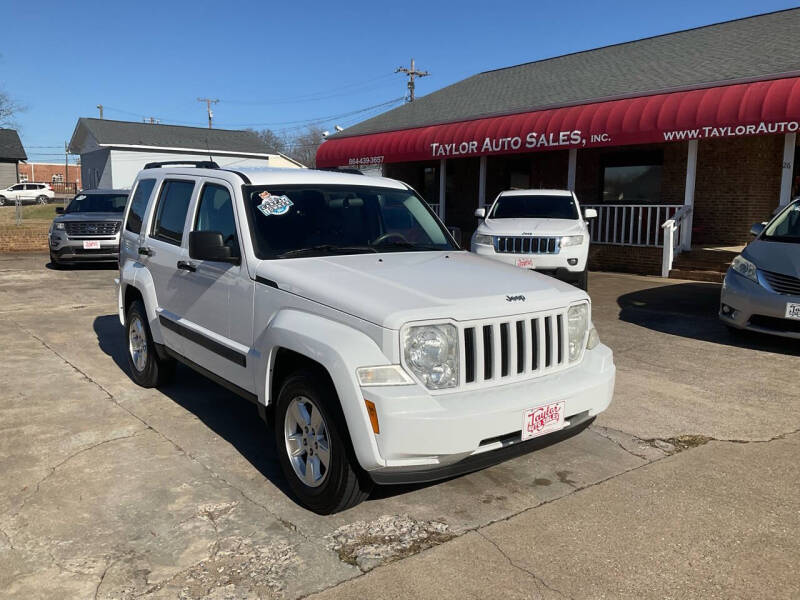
point(145, 251)
point(187, 266)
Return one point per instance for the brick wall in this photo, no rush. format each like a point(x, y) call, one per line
point(623, 259)
point(738, 184)
point(28, 237)
point(43, 172)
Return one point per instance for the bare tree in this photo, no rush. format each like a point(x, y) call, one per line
point(7, 110)
point(303, 148)
point(274, 142)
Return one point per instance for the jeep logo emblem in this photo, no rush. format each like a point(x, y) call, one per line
point(518, 298)
point(92, 228)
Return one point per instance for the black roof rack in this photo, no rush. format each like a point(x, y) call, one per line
point(340, 170)
point(200, 164)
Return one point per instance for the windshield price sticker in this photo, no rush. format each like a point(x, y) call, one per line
point(274, 205)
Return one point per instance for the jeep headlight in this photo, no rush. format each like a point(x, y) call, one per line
point(58, 225)
point(577, 325)
point(744, 267)
point(483, 239)
point(571, 240)
point(431, 353)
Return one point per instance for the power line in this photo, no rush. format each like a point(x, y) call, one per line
point(313, 96)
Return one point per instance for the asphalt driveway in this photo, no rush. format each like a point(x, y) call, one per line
point(685, 487)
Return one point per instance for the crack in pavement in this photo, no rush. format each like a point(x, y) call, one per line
point(286, 524)
point(53, 469)
point(102, 578)
point(8, 539)
point(535, 577)
point(601, 432)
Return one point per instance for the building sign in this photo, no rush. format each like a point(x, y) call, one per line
point(757, 108)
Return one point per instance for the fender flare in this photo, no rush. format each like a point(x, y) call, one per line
point(135, 275)
point(340, 349)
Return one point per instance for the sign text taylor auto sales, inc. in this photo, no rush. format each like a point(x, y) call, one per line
point(531, 141)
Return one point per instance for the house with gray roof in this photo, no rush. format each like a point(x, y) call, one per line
point(11, 152)
point(113, 152)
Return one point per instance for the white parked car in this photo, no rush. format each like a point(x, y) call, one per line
point(39, 193)
point(537, 229)
point(377, 350)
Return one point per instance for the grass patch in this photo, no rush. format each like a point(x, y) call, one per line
point(32, 213)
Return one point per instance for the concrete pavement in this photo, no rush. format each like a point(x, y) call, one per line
point(112, 491)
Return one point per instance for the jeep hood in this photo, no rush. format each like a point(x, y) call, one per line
point(537, 227)
point(391, 289)
point(89, 216)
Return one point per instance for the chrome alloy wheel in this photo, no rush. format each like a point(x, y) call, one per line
point(307, 441)
point(137, 344)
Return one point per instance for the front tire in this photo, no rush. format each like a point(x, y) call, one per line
point(314, 449)
point(2, 200)
point(146, 367)
point(54, 261)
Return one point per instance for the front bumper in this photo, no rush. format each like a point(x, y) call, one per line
point(756, 308)
point(65, 249)
point(424, 437)
point(556, 264)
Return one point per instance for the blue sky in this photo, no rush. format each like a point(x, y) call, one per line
point(284, 64)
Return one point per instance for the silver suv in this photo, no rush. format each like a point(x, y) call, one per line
point(88, 228)
point(378, 351)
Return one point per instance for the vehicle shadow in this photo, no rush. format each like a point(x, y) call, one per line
point(690, 310)
point(83, 266)
point(236, 420)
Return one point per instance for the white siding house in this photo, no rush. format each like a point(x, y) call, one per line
point(113, 152)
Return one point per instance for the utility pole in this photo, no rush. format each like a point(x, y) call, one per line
point(100, 108)
point(209, 102)
point(66, 167)
point(412, 73)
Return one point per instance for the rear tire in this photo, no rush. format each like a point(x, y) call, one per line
point(146, 367)
point(314, 448)
point(42, 200)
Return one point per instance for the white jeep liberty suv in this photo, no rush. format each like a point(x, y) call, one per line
point(378, 351)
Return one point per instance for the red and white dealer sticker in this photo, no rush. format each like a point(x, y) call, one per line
point(542, 420)
point(525, 263)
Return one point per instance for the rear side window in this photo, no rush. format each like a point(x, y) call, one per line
point(139, 205)
point(173, 204)
point(215, 213)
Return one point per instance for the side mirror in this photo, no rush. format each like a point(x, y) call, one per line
point(480, 213)
point(757, 228)
point(59, 210)
point(209, 245)
point(590, 213)
point(456, 233)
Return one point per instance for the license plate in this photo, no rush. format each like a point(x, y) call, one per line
point(792, 310)
point(91, 245)
point(542, 420)
point(525, 263)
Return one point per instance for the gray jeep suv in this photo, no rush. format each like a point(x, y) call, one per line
point(88, 228)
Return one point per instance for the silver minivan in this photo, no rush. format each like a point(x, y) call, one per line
point(761, 291)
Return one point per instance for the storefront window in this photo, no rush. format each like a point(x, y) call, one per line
point(632, 179)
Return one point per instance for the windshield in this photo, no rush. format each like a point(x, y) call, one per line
point(786, 226)
point(114, 203)
point(534, 206)
point(293, 221)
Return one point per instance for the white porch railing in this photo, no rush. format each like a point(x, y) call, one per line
point(675, 237)
point(630, 224)
point(643, 225)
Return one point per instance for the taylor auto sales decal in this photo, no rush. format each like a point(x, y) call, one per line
point(531, 141)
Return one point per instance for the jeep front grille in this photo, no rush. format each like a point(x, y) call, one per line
point(513, 348)
point(91, 228)
point(527, 245)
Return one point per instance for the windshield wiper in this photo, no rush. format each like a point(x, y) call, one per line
point(326, 249)
point(410, 246)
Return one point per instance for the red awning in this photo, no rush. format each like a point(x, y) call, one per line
point(758, 108)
